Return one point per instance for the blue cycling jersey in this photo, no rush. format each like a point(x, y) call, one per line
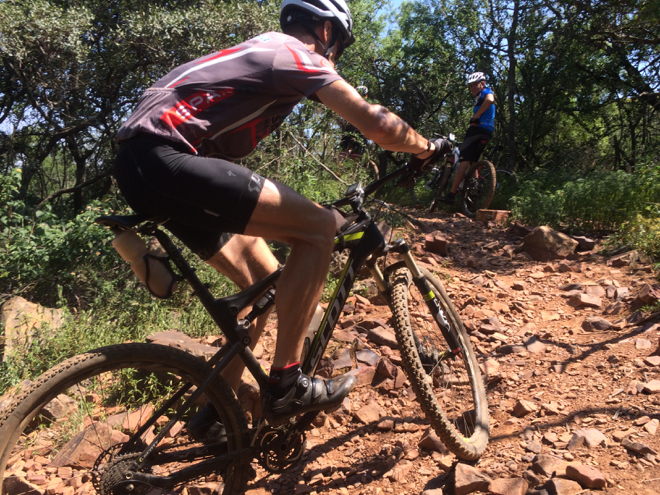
point(487, 119)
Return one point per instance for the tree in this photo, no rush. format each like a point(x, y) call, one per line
point(71, 70)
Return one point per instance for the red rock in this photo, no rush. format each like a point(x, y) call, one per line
point(499, 217)
point(587, 476)
point(508, 486)
point(385, 368)
point(84, 448)
point(545, 244)
point(468, 479)
point(64, 472)
point(386, 425)
point(595, 323)
point(370, 413)
point(431, 441)
point(638, 447)
point(363, 375)
point(383, 336)
point(590, 438)
point(399, 471)
point(586, 301)
point(547, 465)
point(652, 360)
point(652, 387)
point(437, 243)
point(523, 408)
point(14, 485)
point(559, 486)
point(647, 294)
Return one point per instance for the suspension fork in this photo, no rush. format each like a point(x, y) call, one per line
point(429, 296)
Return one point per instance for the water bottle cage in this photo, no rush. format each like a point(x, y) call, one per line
point(165, 261)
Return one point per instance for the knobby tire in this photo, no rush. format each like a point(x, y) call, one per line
point(452, 393)
point(478, 191)
point(104, 384)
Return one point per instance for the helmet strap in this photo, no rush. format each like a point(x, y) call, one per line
point(328, 49)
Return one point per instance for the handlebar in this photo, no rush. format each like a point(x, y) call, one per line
point(355, 194)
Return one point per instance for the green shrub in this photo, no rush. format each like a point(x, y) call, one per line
point(597, 201)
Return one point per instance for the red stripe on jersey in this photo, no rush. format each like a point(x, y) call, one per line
point(187, 108)
point(220, 54)
point(300, 63)
point(252, 125)
point(179, 82)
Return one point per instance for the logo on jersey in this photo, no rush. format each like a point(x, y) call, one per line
point(187, 108)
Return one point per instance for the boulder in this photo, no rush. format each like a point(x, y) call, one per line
point(22, 320)
point(545, 244)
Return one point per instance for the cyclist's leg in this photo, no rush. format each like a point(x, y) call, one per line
point(244, 260)
point(463, 167)
point(284, 215)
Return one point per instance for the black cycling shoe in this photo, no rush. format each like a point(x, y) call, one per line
point(308, 394)
point(205, 426)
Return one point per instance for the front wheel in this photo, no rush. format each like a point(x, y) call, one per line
point(479, 187)
point(440, 185)
point(91, 417)
point(448, 385)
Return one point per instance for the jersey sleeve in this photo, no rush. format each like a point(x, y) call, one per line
point(300, 71)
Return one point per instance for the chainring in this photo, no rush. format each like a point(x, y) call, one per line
point(275, 454)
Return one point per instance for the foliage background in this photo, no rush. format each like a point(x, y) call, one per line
point(577, 92)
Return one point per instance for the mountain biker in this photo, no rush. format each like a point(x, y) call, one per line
point(480, 132)
point(176, 160)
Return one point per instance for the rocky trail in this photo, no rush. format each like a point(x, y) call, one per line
point(570, 357)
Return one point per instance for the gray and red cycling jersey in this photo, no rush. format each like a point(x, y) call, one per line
point(221, 105)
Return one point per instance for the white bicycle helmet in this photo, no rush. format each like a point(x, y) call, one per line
point(476, 77)
point(332, 10)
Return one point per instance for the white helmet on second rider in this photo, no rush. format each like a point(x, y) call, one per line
point(476, 77)
point(331, 10)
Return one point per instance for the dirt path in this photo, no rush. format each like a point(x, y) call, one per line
point(547, 379)
point(571, 374)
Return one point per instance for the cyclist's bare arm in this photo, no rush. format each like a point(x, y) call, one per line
point(374, 121)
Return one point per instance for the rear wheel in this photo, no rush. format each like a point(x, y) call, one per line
point(80, 419)
point(479, 187)
point(449, 388)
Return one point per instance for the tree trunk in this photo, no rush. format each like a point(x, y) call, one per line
point(511, 52)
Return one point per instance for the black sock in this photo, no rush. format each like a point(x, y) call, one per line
point(281, 380)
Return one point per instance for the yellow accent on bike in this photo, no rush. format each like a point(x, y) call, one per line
point(429, 296)
point(351, 237)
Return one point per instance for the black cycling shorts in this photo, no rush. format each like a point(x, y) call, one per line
point(206, 200)
point(476, 139)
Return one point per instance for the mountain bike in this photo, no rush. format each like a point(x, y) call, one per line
point(475, 191)
point(127, 405)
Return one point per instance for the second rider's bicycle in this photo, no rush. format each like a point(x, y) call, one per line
point(117, 414)
point(475, 191)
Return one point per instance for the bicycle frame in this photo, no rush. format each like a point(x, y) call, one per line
point(366, 244)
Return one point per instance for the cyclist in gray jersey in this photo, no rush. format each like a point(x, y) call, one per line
point(175, 159)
